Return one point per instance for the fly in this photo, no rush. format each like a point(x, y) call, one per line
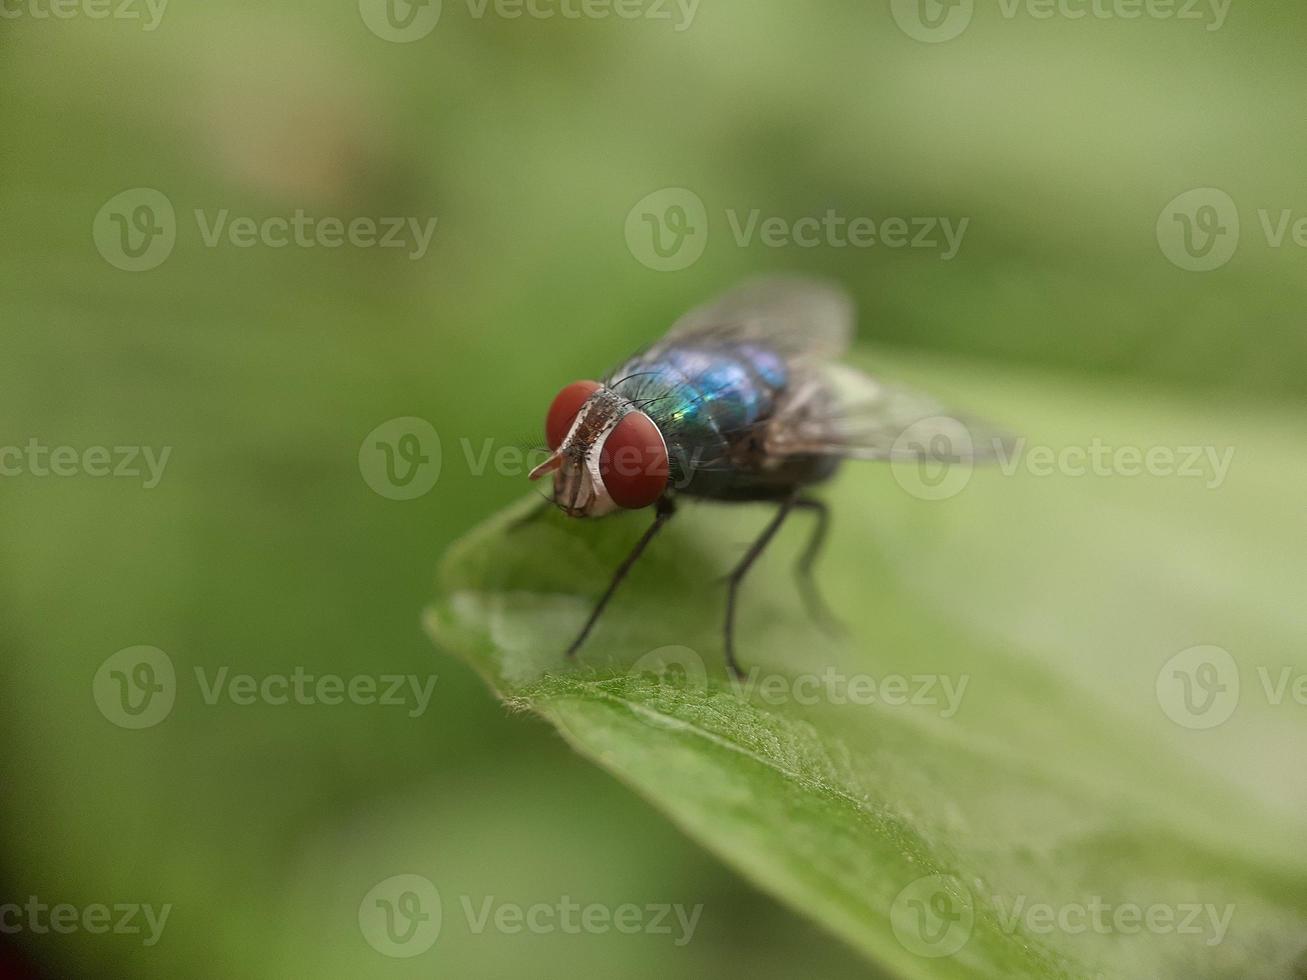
point(743, 402)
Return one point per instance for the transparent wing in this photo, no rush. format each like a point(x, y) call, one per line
point(796, 316)
point(839, 411)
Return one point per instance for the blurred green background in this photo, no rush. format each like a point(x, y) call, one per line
point(263, 548)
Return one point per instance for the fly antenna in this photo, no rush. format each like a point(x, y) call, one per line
point(548, 466)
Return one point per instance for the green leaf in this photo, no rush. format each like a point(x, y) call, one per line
point(991, 774)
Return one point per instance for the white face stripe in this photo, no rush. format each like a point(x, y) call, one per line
point(603, 503)
point(609, 408)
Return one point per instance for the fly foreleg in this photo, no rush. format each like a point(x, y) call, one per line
point(665, 508)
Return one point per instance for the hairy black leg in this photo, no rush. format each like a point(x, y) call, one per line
point(740, 570)
point(665, 509)
point(812, 598)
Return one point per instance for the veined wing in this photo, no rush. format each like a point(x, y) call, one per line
point(798, 317)
point(840, 411)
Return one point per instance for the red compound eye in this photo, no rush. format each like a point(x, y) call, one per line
point(562, 413)
point(633, 462)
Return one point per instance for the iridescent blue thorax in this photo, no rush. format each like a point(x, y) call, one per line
point(718, 388)
point(711, 402)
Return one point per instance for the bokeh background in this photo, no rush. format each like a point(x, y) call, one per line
point(263, 548)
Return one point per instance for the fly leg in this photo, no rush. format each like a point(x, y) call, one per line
point(812, 598)
point(665, 508)
point(737, 576)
